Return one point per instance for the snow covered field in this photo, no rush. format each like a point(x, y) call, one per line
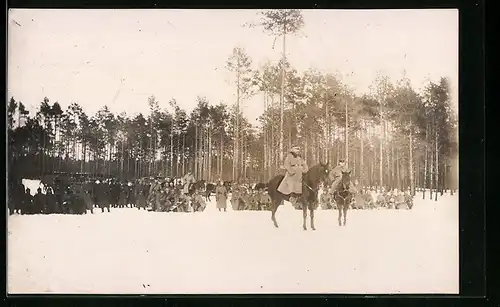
point(131, 251)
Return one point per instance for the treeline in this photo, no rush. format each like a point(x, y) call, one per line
point(395, 136)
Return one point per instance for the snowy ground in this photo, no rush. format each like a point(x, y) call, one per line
point(131, 251)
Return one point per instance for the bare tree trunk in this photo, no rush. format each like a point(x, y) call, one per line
point(387, 156)
point(206, 155)
point(372, 167)
point(178, 156)
point(272, 164)
point(183, 153)
point(361, 154)
point(346, 134)
point(398, 175)
point(436, 172)
point(243, 158)
point(221, 155)
point(210, 154)
point(381, 163)
point(432, 168)
point(282, 97)
point(412, 181)
point(236, 161)
point(426, 158)
point(306, 149)
point(122, 161)
point(196, 175)
point(264, 130)
point(172, 150)
point(393, 166)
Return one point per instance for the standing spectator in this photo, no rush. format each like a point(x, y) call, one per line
point(27, 207)
point(52, 204)
point(39, 202)
point(221, 196)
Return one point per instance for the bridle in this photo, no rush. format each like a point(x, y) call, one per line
point(309, 187)
point(343, 185)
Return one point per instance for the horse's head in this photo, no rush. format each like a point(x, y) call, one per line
point(345, 181)
point(320, 173)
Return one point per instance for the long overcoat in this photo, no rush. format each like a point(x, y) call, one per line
point(295, 166)
point(187, 180)
point(221, 197)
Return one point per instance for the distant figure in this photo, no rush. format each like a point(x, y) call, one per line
point(198, 202)
point(295, 166)
point(52, 204)
point(336, 173)
point(221, 196)
point(187, 180)
point(27, 207)
point(39, 202)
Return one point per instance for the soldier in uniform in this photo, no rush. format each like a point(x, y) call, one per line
point(78, 205)
point(187, 180)
point(87, 198)
point(140, 190)
point(295, 167)
point(101, 197)
point(265, 200)
point(66, 201)
point(39, 202)
point(336, 173)
point(51, 201)
point(235, 197)
point(159, 197)
point(27, 207)
point(198, 202)
point(17, 197)
point(326, 200)
point(115, 193)
point(130, 194)
point(221, 196)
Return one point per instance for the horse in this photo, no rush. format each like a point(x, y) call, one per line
point(196, 186)
point(343, 195)
point(210, 188)
point(309, 196)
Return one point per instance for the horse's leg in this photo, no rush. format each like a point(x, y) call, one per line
point(304, 214)
point(275, 206)
point(345, 214)
point(339, 208)
point(311, 213)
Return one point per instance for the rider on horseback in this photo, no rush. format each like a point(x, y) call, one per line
point(336, 174)
point(295, 166)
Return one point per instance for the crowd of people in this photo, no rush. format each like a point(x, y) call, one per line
point(248, 197)
point(70, 196)
point(73, 196)
point(371, 198)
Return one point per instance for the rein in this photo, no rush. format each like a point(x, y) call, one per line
point(344, 189)
point(305, 183)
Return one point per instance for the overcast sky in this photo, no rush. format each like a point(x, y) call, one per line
point(121, 57)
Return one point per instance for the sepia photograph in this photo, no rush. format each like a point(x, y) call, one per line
point(231, 151)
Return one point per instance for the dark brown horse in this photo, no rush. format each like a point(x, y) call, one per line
point(343, 195)
point(309, 197)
